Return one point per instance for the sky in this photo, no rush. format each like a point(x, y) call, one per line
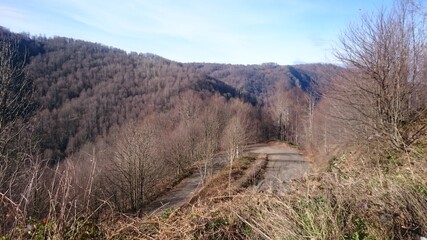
point(222, 31)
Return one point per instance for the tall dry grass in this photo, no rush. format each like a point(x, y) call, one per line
point(59, 204)
point(357, 198)
point(354, 197)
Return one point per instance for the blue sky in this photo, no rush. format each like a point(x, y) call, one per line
point(223, 31)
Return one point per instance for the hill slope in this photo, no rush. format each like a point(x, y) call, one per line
point(262, 80)
point(84, 89)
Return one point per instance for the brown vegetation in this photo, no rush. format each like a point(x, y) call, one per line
point(385, 86)
point(89, 135)
point(319, 207)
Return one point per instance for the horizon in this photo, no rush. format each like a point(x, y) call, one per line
point(239, 32)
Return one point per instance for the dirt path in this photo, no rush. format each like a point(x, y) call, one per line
point(183, 192)
point(283, 165)
point(176, 197)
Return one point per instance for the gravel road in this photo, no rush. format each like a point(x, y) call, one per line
point(284, 164)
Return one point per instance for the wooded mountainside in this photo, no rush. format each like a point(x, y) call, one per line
point(84, 89)
point(131, 125)
point(87, 129)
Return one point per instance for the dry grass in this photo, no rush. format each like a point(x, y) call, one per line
point(174, 223)
point(356, 199)
point(245, 172)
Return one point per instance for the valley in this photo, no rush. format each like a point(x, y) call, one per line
point(101, 143)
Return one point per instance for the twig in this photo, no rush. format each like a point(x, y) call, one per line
point(253, 227)
point(15, 207)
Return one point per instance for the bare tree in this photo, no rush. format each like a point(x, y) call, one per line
point(280, 109)
point(310, 105)
point(235, 137)
point(15, 92)
point(382, 89)
point(131, 177)
point(178, 150)
point(17, 162)
point(211, 127)
point(16, 89)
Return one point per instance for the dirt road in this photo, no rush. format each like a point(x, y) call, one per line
point(183, 192)
point(283, 165)
point(176, 197)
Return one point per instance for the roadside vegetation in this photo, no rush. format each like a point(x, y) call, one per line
point(357, 198)
point(81, 161)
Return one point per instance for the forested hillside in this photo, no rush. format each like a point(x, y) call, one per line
point(84, 124)
point(262, 80)
point(84, 89)
point(91, 135)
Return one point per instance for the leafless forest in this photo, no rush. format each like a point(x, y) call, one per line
point(86, 128)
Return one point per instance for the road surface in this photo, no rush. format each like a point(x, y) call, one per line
point(183, 192)
point(284, 164)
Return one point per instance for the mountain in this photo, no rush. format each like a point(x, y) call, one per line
point(133, 125)
point(84, 89)
point(262, 80)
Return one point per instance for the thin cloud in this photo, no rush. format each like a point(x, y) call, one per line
point(7, 12)
point(240, 31)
